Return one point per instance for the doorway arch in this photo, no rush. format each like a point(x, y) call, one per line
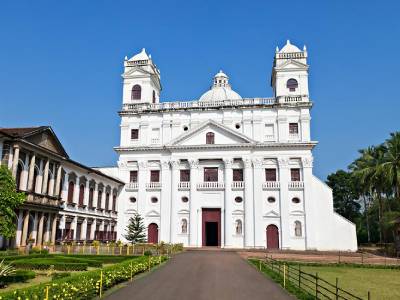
point(152, 233)
point(272, 237)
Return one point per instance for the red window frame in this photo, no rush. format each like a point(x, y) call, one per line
point(81, 194)
point(134, 134)
point(295, 174)
point(237, 175)
point(270, 174)
point(155, 176)
point(71, 187)
point(133, 176)
point(185, 175)
point(210, 138)
point(294, 128)
point(136, 92)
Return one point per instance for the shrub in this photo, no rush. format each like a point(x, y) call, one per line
point(84, 285)
point(37, 250)
point(56, 276)
point(148, 253)
point(45, 264)
point(105, 259)
point(19, 276)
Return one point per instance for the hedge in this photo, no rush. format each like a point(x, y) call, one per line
point(44, 264)
point(85, 285)
point(19, 276)
point(105, 259)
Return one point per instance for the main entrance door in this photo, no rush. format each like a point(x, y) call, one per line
point(272, 237)
point(152, 234)
point(211, 226)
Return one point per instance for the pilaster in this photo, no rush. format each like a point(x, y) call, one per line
point(194, 239)
point(174, 195)
point(165, 203)
point(227, 205)
point(248, 204)
point(258, 178)
point(142, 171)
point(284, 202)
point(15, 161)
point(310, 208)
point(46, 177)
point(31, 171)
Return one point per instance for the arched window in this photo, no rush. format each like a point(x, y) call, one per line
point(18, 176)
point(81, 194)
point(184, 226)
point(210, 138)
point(238, 226)
point(99, 196)
point(71, 187)
point(297, 228)
point(107, 202)
point(91, 191)
point(136, 92)
point(154, 97)
point(292, 84)
point(238, 199)
point(34, 181)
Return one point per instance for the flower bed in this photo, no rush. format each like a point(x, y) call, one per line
point(86, 285)
point(19, 276)
point(45, 264)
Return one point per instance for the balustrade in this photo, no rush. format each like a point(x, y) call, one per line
point(153, 185)
point(132, 186)
point(271, 185)
point(238, 185)
point(210, 185)
point(296, 184)
point(184, 185)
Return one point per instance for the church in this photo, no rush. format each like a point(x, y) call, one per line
point(224, 170)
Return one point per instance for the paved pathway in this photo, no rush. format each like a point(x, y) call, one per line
point(198, 275)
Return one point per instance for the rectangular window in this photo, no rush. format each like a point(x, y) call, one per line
point(210, 174)
point(293, 128)
point(154, 176)
point(133, 176)
point(295, 174)
point(99, 196)
point(270, 174)
point(269, 132)
point(237, 174)
point(185, 175)
point(134, 134)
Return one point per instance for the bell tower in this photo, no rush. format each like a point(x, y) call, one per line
point(290, 74)
point(141, 80)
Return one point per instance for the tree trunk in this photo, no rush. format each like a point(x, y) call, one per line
point(367, 219)
point(382, 235)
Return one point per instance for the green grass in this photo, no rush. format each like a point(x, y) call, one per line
point(384, 284)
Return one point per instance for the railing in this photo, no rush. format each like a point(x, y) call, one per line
point(312, 284)
point(296, 184)
point(132, 186)
point(293, 99)
point(269, 138)
point(210, 185)
point(271, 185)
point(237, 185)
point(294, 136)
point(153, 185)
point(42, 199)
point(184, 185)
point(140, 107)
point(291, 55)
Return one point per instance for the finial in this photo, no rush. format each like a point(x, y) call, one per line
point(277, 49)
point(304, 48)
point(287, 42)
point(126, 57)
point(143, 49)
point(150, 56)
point(220, 71)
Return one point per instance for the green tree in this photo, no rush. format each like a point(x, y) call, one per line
point(344, 194)
point(10, 200)
point(135, 232)
point(390, 167)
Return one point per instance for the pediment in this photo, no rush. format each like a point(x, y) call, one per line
point(238, 212)
point(136, 71)
point(297, 213)
point(183, 212)
point(271, 214)
point(152, 213)
point(47, 139)
point(222, 135)
point(292, 64)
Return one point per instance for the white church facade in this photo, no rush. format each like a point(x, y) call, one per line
point(225, 170)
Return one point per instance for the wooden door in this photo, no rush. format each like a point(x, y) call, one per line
point(152, 234)
point(272, 237)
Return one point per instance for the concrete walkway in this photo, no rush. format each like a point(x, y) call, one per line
point(198, 275)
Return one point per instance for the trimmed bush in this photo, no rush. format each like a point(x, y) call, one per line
point(148, 253)
point(19, 276)
point(45, 264)
point(105, 259)
point(85, 285)
point(56, 276)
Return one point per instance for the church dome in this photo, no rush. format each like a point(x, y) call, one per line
point(289, 48)
point(221, 89)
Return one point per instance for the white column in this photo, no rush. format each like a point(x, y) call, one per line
point(15, 160)
point(76, 192)
point(165, 203)
point(86, 194)
point(45, 177)
point(248, 204)
point(309, 205)
point(25, 228)
point(54, 229)
point(47, 234)
point(227, 207)
point(19, 228)
point(258, 178)
point(58, 181)
point(64, 188)
point(25, 172)
point(38, 188)
point(31, 172)
point(142, 179)
point(40, 230)
point(35, 227)
point(52, 180)
point(194, 239)
point(305, 125)
point(103, 198)
point(95, 194)
point(83, 230)
point(93, 229)
point(284, 201)
point(74, 224)
point(283, 130)
point(174, 194)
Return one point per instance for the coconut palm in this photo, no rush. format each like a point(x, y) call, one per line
point(6, 269)
point(390, 167)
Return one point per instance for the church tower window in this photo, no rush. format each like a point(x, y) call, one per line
point(154, 97)
point(134, 134)
point(292, 84)
point(136, 92)
point(210, 138)
point(297, 228)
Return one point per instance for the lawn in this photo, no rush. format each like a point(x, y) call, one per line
point(384, 284)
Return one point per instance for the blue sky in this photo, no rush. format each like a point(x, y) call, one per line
point(60, 64)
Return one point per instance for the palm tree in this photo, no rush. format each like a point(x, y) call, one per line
point(367, 171)
point(390, 167)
